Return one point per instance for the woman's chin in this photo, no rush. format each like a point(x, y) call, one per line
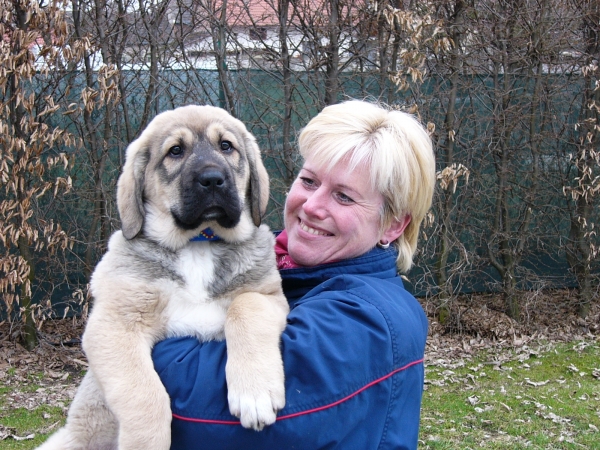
point(307, 261)
point(307, 256)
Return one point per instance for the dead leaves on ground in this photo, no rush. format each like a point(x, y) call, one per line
point(548, 314)
point(48, 375)
point(9, 433)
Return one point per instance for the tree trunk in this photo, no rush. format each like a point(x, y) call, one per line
point(446, 197)
point(29, 333)
point(333, 56)
point(287, 92)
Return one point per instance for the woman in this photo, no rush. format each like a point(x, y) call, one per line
point(354, 344)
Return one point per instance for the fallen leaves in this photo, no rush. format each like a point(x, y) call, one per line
point(514, 389)
point(553, 417)
point(9, 433)
point(546, 315)
point(513, 351)
point(48, 375)
point(536, 383)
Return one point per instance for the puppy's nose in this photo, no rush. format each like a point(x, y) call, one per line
point(212, 179)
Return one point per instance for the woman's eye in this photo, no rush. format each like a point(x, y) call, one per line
point(176, 150)
point(226, 146)
point(308, 182)
point(344, 198)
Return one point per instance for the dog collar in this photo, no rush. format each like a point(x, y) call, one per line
point(206, 235)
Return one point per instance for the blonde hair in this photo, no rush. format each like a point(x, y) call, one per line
point(396, 148)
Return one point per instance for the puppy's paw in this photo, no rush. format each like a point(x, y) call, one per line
point(252, 412)
point(255, 398)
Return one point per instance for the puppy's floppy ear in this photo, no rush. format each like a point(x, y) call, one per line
point(130, 190)
point(259, 181)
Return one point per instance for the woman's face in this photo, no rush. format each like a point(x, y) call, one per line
point(331, 215)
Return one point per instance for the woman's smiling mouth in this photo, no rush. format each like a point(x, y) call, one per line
point(310, 230)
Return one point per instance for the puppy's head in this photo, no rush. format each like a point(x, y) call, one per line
point(193, 167)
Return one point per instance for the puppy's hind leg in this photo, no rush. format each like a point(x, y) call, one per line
point(90, 424)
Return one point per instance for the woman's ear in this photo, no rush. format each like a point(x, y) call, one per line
point(395, 229)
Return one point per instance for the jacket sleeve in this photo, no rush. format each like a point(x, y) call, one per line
point(347, 376)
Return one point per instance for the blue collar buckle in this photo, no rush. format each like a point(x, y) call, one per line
point(206, 235)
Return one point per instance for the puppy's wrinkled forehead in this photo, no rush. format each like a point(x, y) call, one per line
point(178, 136)
point(191, 134)
point(217, 132)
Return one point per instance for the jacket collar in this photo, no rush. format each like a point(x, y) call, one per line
point(378, 263)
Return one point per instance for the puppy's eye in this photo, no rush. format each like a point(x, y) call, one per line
point(226, 146)
point(176, 150)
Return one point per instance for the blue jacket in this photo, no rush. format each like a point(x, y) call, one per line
point(353, 356)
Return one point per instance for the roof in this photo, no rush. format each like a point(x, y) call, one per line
point(263, 13)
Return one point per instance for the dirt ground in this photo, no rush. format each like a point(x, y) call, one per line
point(477, 323)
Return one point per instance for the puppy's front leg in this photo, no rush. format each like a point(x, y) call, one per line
point(254, 369)
point(120, 357)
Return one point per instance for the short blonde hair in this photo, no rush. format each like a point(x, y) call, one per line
point(396, 148)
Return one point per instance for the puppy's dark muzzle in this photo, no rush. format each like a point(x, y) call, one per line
point(208, 194)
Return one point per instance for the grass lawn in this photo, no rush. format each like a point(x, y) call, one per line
point(542, 398)
point(26, 427)
point(529, 397)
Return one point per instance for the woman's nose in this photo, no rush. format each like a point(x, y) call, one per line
point(316, 204)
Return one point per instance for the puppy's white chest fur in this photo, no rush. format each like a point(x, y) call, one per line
point(191, 310)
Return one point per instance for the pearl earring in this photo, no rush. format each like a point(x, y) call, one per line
point(383, 245)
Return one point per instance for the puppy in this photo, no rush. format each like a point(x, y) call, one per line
point(194, 171)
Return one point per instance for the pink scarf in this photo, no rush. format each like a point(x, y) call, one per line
point(284, 260)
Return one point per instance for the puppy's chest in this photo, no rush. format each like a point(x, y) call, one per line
point(191, 309)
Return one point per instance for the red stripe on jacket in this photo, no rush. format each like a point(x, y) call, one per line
point(308, 411)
